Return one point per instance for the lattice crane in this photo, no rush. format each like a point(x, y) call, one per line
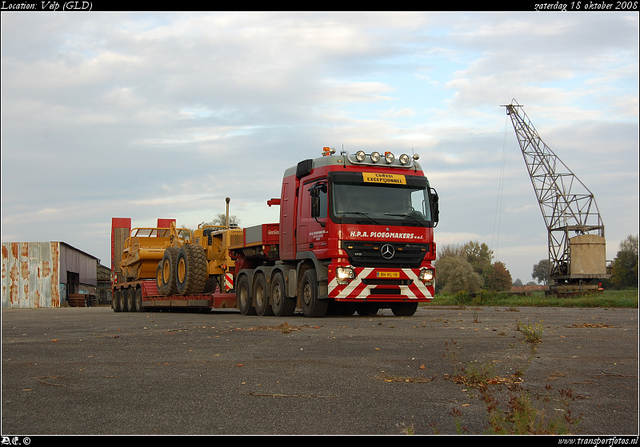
point(568, 208)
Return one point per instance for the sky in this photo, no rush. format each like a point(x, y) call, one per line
point(162, 115)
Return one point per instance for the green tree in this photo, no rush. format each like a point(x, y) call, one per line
point(624, 268)
point(455, 274)
point(541, 271)
point(480, 257)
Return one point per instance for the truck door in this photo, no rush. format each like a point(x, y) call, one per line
point(312, 234)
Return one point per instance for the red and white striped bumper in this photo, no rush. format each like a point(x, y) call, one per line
point(380, 284)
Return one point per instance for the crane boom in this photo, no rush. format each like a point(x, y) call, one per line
point(567, 205)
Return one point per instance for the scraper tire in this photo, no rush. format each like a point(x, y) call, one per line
point(166, 273)
point(191, 269)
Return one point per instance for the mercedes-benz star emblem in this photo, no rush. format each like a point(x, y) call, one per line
point(387, 251)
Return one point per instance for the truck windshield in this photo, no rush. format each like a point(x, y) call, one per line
point(382, 204)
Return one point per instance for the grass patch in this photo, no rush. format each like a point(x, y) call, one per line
point(609, 298)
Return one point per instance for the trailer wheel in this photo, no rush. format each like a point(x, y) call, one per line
point(127, 299)
point(116, 303)
point(404, 309)
point(191, 269)
point(243, 296)
point(281, 305)
point(312, 306)
point(137, 300)
point(166, 273)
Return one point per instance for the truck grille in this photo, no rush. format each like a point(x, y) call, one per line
point(385, 254)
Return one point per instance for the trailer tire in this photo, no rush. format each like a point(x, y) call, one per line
point(127, 299)
point(137, 300)
point(243, 296)
point(404, 309)
point(311, 305)
point(282, 305)
point(191, 269)
point(261, 296)
point(116, 300)
point(166, 273)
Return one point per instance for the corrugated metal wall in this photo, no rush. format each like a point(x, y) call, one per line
point(34, 274)
point(30, 274)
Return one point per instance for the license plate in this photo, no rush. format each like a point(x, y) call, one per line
point(388, 274)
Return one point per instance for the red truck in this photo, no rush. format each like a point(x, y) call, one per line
point(355, 234)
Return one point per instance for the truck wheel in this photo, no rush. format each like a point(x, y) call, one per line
point(311, 305)
point(281, 305)
point(243, 297)
point(404, 309)
point(260, 296)
point(367, 309)
point(167, 272)
point(191, 269)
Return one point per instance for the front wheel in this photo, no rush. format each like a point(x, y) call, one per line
point(404, 309)
point(312, 306)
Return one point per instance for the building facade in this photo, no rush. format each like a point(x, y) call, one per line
point(44, 274)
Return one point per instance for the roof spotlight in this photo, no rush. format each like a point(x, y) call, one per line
point(389, 157)
point(375, 157)
point(360, 155)
point(404, 159)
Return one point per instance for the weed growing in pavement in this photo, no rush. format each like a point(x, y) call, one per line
point(522, 417)
point(521, 413)
point(532, 332)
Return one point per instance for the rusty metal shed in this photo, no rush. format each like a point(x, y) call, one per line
point(43, 274)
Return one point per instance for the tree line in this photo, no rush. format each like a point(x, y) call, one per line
point(470, 268)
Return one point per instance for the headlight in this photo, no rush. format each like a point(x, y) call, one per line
point(389, 157)
point(344, 275)
point(427, 275)
point(360, 155)
point(375, 157)
point(404, 159)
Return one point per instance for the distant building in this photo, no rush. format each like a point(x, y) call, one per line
point(44, 274)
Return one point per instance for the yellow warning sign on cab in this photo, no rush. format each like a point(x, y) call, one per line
point(378, 177)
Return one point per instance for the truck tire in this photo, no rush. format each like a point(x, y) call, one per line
point(281, 305)
point(166, 273)
point(367, 309)
point(404, 309)
point(191, 269)
point(261, 296)
point(243, 296)
point(312, 306)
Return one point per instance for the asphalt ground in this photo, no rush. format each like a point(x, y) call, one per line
point(69, 371)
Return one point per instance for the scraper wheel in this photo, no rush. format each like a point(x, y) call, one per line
point(191, 269)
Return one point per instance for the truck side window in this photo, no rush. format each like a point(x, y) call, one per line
point(319, 200)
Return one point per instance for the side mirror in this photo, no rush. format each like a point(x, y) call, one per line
point(435, 208)
point(315, 200)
